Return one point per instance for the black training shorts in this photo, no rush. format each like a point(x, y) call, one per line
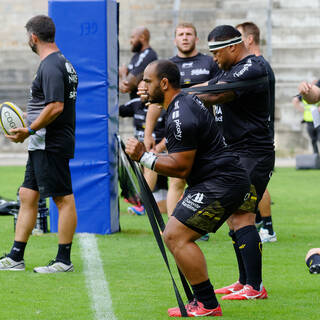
point(206, 206)
point(48, 173)
point(260, 170)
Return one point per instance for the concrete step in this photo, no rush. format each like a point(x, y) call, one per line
point(296, 72)
point(294, 36)
point(16, 94)
point(296, 18)
point(297, 4)
point(294, 54)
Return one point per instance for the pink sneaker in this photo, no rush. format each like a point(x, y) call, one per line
point(138, 210)
point(196, 309)
point(247, 293)
point(235, 287)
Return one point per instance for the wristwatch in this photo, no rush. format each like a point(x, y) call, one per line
point(31, 131)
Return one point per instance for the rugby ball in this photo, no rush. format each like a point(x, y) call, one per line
point(11, 117)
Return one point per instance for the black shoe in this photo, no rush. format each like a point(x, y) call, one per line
point(315, 268)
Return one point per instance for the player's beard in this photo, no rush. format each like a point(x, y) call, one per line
point(137, 46)
point(33, 46)
point(157, 96)
point(187, 51)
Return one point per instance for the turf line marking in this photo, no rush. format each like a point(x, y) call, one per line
point(95, 278)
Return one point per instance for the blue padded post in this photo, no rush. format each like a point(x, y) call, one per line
point(86, 32)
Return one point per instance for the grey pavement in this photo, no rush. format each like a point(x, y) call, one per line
point(19, 159)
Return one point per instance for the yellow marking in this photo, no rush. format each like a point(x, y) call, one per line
point(260, 247)
point(242, 246)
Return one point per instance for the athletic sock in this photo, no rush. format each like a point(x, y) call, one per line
point(64, 252)
point(204, 293)
point(17, 251)
point(242, 270)
point(258, 217)
point(267, 224)
point(250, 247)
point(314, 259)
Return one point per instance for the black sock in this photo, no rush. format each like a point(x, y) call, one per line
point(314, 259)
point(258, 216)
point(17, 251)
point(267, 224)
point(64, 252)
point(204, 293)
point(242, 270)
point(251, 251)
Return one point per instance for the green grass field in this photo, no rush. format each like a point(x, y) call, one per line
point(139, 283)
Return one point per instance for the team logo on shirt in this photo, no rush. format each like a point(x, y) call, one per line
point(175, 117)
point(198, 72)
point(199, 102)
point(187, 65)
point(218, 113)
point(178, 132)
point(244, 69)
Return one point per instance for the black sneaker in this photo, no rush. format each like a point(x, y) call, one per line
point(315, 268)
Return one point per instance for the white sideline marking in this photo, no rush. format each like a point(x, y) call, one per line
point(95, 279)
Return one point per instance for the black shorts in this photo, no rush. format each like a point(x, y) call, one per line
point(260, 170)
point(48, 173)
point(161, 184)
point(206, 206)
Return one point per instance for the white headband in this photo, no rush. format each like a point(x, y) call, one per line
point(216, 45)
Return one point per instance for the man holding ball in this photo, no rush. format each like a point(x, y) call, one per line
point(51, 133)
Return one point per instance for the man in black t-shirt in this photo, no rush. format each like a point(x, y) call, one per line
point(137, 109)
point(131, 75)
point(51, 132)
point(194, 68)
point(251, 39)
point(217, 182)
point(243, 117)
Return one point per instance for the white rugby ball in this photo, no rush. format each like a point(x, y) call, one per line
point(11, 117)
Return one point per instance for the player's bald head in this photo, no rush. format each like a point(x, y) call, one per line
point(142, 31)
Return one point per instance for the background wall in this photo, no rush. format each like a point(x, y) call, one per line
point(293, 35)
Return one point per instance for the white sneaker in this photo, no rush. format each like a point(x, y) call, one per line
point(266, 237)
point(7, 263)
point(54, 267)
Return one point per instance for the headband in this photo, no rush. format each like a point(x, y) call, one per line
point(216, 45)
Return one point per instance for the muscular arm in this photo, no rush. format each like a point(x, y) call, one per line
point(211, 99)
point(129, 83)
point(177, 164)
point(309, 92)
point(151, 120)
point(47, 115)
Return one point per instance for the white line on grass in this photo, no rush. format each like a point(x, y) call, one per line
point(95, 279)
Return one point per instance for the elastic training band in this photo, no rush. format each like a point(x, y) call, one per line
point(216, 45)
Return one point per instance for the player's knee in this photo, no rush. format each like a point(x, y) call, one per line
point(241, 219)
point(28, 196)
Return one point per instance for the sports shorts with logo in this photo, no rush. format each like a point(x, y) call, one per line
point(207, 205)
point(260, 170)
point(48, 173)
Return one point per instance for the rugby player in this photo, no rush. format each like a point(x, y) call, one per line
point(217, 182)
point(243, 117)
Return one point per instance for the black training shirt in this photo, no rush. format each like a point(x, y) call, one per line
point(245, 120)
point(190, 126)
point(196, 69)
point(272, 84)
point(138, 63)
point(56, 81)
point(136, 109)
